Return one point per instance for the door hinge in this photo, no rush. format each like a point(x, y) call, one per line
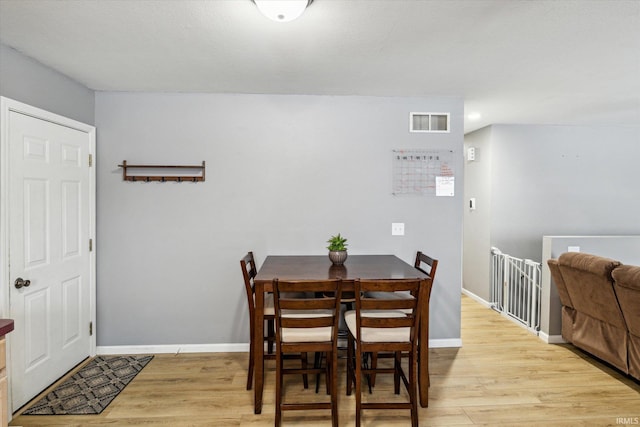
point(90, 328)
point(90, 160)
point(90, 245)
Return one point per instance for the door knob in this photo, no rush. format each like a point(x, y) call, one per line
point(20, 282)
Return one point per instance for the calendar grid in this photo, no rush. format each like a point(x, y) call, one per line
point(415, 171)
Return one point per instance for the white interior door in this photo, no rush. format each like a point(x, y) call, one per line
point(50, 264)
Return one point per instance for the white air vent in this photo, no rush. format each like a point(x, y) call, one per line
point(429, 122)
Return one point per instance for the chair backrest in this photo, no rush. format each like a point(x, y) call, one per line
point(423, 262)
point(590, 286)
point(561, 286)
point(249, 272)
point(319, 309)
point(427, 261)
point(627, 287)
point(390, 312)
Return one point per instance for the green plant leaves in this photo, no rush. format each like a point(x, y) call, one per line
point(337, 243)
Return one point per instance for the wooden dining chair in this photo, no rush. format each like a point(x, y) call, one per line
point(385, 324)
point(307, 325)
point(249, 272)
point(427, 265)
point(423, 263)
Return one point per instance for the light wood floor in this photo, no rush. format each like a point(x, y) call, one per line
point(502, 376)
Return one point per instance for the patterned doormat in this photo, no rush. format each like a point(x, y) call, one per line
point(92, 388)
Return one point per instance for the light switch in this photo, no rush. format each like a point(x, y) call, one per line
point(397, 229)
point(573, 249)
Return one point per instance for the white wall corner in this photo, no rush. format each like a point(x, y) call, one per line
point(446, 343)
point(476, 298)
point(551, 339)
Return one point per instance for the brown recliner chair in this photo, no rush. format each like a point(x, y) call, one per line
point(627, 287)
point(568, 311)
point(599, 326)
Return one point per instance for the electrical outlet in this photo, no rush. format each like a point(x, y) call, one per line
point(397, 229)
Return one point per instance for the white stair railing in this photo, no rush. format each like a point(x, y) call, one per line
point(515, 288)
point(497, 279)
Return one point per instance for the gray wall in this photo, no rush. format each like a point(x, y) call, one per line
point(562, 180)
point(552, 180)
point(477, 232)
point(27, 80)
point(283, 174)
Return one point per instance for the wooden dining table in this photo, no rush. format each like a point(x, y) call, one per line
point(319, 267)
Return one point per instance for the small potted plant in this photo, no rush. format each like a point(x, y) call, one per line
point(337, 249)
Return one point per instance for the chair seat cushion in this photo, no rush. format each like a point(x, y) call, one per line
point(378, 334)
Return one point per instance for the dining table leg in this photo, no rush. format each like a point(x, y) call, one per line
point(258, 345)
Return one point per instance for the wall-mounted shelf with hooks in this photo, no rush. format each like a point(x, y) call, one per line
point(197, 174)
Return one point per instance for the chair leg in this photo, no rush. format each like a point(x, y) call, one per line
point(305, 365)
point(250, 369)
point(374, 365)
point(428, 374)
point(365, 364)
point(350, 356)
point(334, 387)
point(319, 356)
point(396, 375)
point(271, 334)
point(328, 375)
point(279, 374)
point(413, 381)
point(317, 363)
point(358, 378)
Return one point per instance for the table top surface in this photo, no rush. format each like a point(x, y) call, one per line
point(319, 267)
point(6, 326)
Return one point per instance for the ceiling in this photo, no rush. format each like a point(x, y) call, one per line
point(524, 62)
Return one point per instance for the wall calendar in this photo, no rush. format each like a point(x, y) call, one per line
point(423, 172)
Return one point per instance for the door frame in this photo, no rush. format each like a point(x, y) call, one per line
point(7, 106)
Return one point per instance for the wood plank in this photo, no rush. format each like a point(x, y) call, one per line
point(503, 375)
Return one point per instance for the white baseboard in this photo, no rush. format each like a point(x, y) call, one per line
point(552, 339)
point(445, 343)
point(219, 348)
point(476, 298)
point(174, 348)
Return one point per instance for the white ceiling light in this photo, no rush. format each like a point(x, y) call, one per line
point(282, 10)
